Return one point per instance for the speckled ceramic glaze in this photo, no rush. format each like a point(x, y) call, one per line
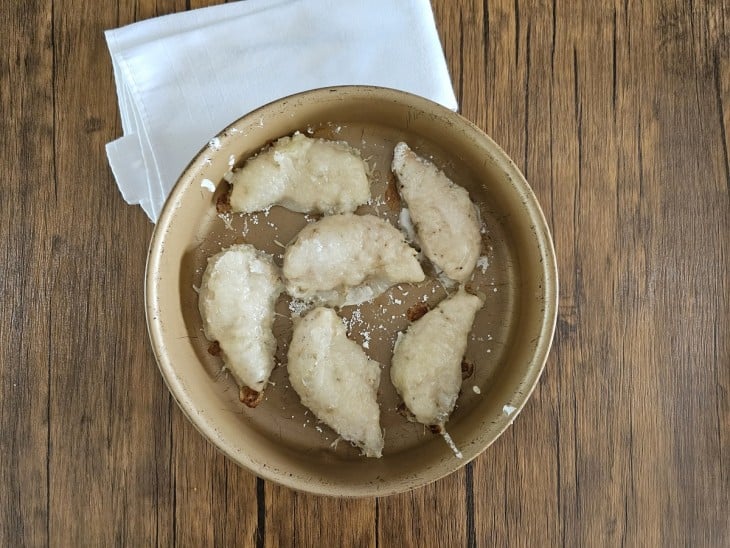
point(280, 440)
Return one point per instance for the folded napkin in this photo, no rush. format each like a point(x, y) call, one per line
point(182, 78)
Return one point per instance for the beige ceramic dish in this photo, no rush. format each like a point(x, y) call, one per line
point(280, 440)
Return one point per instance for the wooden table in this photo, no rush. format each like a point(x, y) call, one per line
point(618, 114)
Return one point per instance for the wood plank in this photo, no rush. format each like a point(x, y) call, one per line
point(323, 521)
point(301, 519)
point(719, 20)
point(685, 239)
point(214, 500)
point(434, 515)
point(600, 379)
point(26, 193)
point(280, 509)
point(236, 502)
point(110, 445)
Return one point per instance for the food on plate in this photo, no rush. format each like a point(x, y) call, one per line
point(445, 220)
point(302, 174)
point(348, 259)
point(426, 366)
point(237, 297)
point(336, 380)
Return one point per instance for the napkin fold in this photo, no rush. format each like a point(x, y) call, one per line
point(182, 78)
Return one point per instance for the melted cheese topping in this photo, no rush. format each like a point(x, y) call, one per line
point(336, 380)
point(426, 367)
point(302, 174)
point(348, 259)
point(445, 219)
point(237, 298)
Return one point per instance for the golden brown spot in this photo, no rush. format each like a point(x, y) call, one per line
point(404, 412)
point(214, 349)
point(467, 369)
point(392, 198)
point(250, 398)
point(435, 428)
point(223, 203)
point(417, 311)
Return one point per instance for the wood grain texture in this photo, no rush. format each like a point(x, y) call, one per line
point(27, 180)
point(617, 112)
point(109, 423)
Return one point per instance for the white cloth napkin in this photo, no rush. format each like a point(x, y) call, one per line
point(182, 78)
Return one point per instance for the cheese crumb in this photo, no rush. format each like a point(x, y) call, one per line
point(451, 444)
point(298, 307)
point(483, 263)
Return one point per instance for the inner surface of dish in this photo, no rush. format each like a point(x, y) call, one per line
point(282, 440)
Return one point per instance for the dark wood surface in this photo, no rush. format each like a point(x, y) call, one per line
point(617, 113)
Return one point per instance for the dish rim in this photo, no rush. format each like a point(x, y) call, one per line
point(549, 295)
